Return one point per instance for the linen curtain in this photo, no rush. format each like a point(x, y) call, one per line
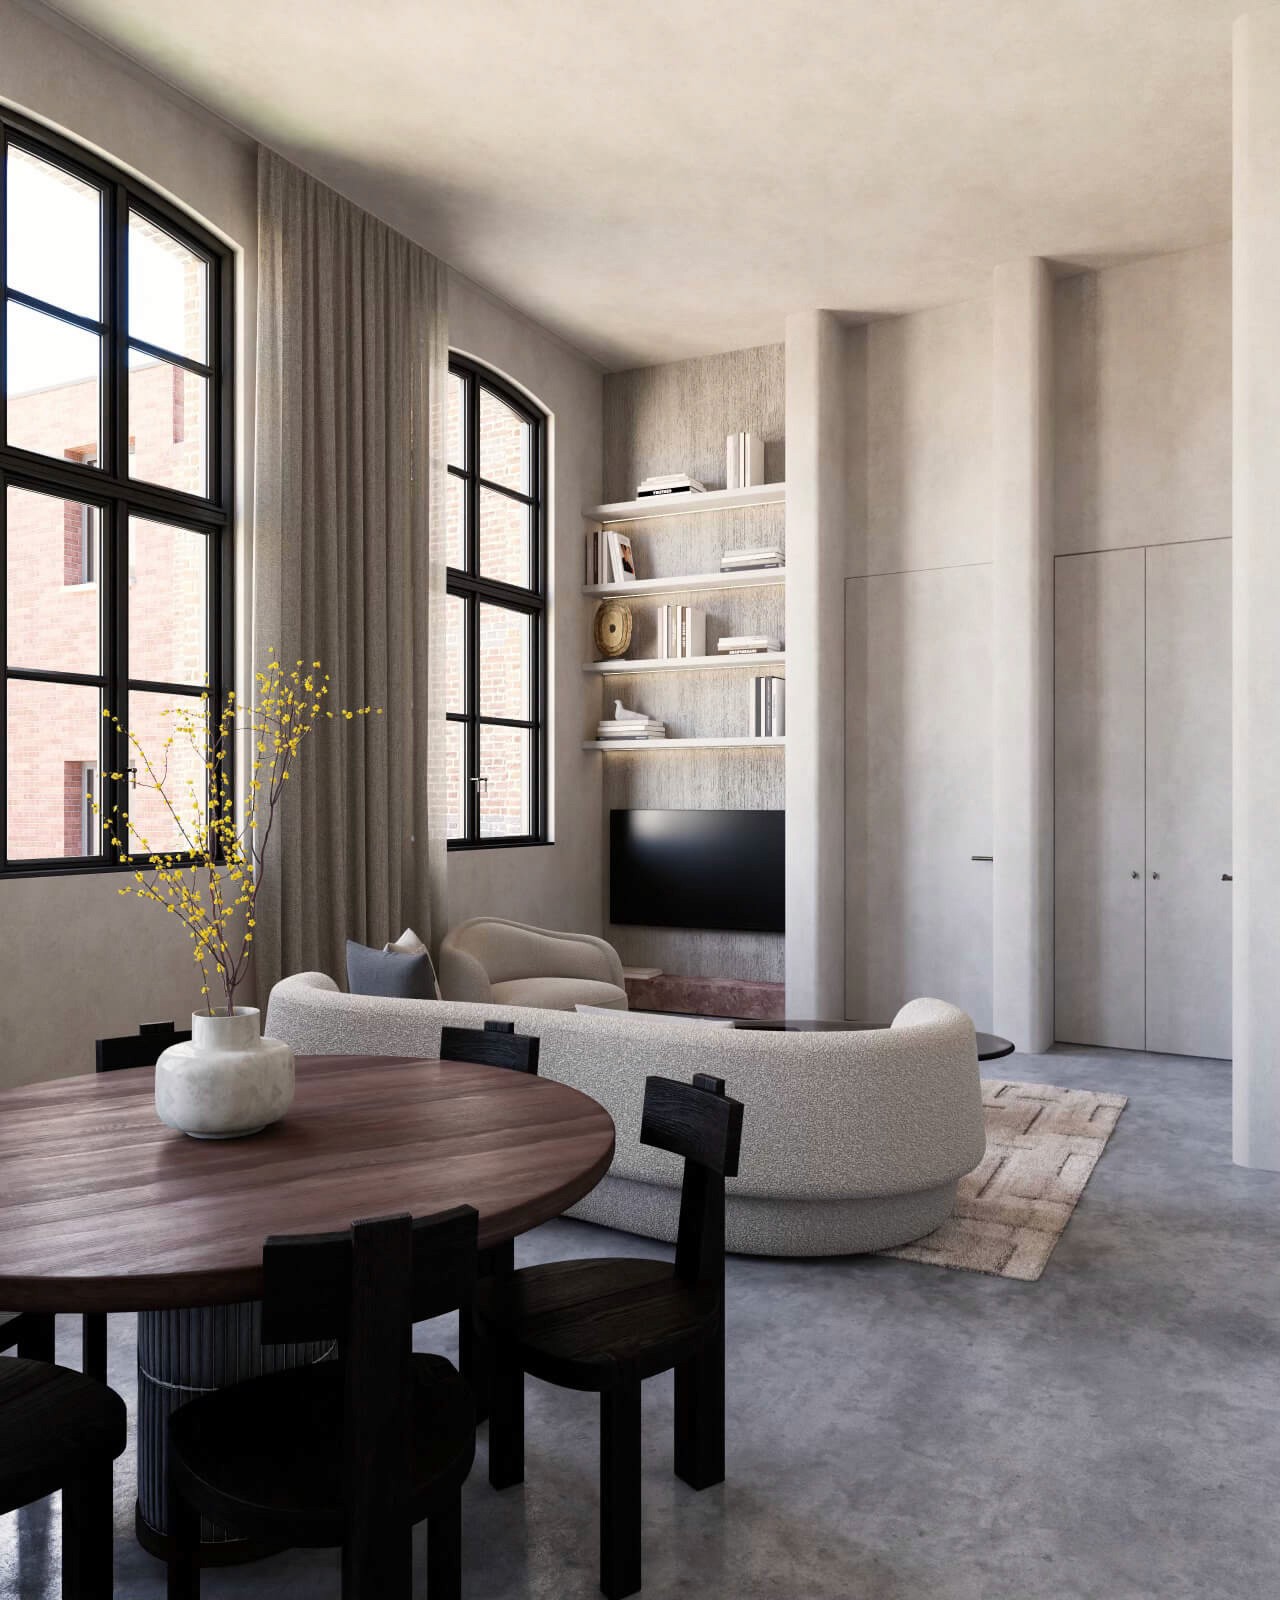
point(352, 365)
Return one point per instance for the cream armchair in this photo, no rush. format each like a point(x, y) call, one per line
point(489, 960)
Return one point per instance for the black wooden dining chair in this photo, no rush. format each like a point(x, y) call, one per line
point(605, 1325)
point(141, 1049)
point(352, 1452)
point(61, 1431)
point(497, 1044)
point(491, 1046)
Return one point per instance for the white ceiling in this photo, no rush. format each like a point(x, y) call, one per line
point(671, 177)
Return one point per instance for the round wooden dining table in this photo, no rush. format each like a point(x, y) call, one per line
point(103, 1208)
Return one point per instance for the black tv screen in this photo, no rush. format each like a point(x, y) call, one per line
point(698, 869)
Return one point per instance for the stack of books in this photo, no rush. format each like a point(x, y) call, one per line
point(610, 558)
point(747, 644)
point(669, 483)
point(768, 708)
point(744, 460)
point(682, 632)
point(630, 728)
point(751, 560)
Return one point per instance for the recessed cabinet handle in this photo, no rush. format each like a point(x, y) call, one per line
point(981, 858)
point(1227, 878)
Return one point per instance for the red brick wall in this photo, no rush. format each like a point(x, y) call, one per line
point(53, 618)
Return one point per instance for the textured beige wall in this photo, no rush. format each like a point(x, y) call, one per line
point(928, 429)
point(81, 962)
point(669, 419)
point(674, 418)
point(1256, 595)
point(1142, 402)
point(556, 885)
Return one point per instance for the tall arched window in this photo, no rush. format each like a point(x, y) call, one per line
point(496, 686)
point(115, 497)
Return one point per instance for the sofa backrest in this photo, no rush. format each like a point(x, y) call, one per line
point(828, 1115)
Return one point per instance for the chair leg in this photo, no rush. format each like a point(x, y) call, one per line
point(475, 1364)
point(36, 1343)
point(87, 1554)
point(699, 1445)
point(93, 1345)
point(444, 1550)
point(620, 1490)
point(184, 1547)
point(377, 1564)
point(475, 1361)
point(506, 1422)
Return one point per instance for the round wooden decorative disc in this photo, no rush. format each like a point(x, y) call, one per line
point(613, 628)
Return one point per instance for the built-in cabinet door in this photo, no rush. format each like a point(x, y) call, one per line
point(1099, 784)
point(1188, 787)
point(918, 776)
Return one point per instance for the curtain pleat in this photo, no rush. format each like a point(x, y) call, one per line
point(352, 360)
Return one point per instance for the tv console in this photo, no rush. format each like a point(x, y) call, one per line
point(708, 997)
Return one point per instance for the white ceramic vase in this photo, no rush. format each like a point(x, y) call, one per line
point(228, 1081)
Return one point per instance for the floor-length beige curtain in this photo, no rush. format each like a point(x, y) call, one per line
point(352, 363)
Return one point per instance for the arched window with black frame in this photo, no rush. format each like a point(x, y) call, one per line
point(496, 682)
point(116, 490)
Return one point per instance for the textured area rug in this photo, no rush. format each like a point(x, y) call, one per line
point(1042, 1145)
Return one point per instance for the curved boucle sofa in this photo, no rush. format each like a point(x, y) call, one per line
point(850, 1142)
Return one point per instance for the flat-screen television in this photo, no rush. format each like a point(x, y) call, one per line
point(698, 869)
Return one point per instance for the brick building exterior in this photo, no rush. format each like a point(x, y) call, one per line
point(55, 560)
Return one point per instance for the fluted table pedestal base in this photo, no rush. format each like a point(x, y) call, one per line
point(182, 1354)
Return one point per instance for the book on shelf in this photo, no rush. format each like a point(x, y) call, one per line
point(768, 707)
point(682, 632)
point(669, 483)
point(610, 558)
point(622, 562)
point(744, 460)
point(631, 728)
point(750, 560)
point(747, 644)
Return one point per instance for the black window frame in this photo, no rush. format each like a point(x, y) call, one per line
point(474, 590)
point(105, 484)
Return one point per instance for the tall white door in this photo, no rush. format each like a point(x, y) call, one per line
point(1099, 781)
point(918, 775)
point(1188, 785)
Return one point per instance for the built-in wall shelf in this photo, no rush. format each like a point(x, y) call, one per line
point(630, 745)
point(759, 578)
point(682, 505)
point(745, 658)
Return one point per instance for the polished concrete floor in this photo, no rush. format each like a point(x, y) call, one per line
point(899, 1432)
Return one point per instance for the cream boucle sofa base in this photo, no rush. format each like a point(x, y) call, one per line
point(754, 1226)
point(850, 1142)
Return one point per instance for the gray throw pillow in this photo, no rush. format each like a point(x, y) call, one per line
point(390, 974)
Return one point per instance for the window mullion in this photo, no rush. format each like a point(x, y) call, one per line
point(473, 718)
point(4, 613)
point(115, 257)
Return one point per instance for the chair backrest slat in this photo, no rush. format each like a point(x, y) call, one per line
point(490, 1046)
point(141, 1049)
point(377, 1349)
point(307, 1282)
point(704, 1125)
point(694, 1120)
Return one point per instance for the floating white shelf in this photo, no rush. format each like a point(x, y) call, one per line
point(682, 744)
point(682, 505)
point(760, 578)
point(761, 658)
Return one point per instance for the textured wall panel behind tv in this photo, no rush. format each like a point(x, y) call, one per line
point(675, 418)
